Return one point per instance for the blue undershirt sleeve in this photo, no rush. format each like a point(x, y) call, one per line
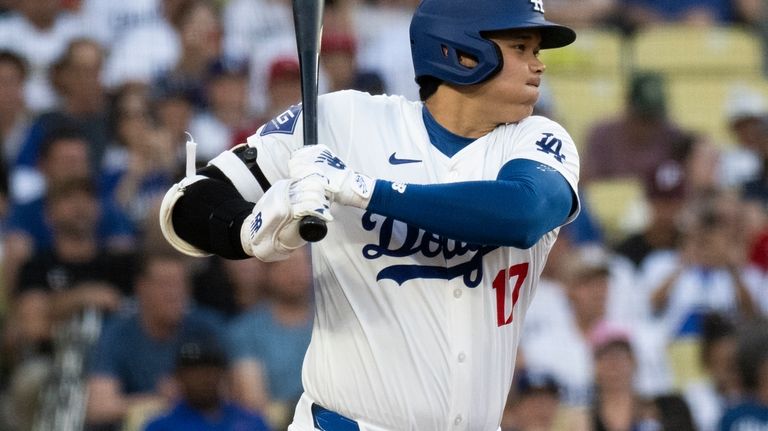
point(527, 200)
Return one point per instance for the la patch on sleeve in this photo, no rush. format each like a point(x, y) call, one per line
point(284, 123)
point(549, 144)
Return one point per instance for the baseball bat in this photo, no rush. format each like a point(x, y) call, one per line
point(308, 23)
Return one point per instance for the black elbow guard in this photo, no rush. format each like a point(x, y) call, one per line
point(209, 216)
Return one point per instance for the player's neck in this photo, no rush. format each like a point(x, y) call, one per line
point(458, 114)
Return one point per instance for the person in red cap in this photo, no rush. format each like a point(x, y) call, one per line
point(339, 61)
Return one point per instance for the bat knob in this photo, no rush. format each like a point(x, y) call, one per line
point(312, 229)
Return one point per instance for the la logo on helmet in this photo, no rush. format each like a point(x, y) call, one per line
point(538, 5)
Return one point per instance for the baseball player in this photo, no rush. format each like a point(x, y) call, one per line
point(441, 215)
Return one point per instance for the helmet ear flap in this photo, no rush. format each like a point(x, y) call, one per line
point(467, 61)
point(471, 61)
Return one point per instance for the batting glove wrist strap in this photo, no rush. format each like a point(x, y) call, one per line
point(347, 186)
point(271, 231)
point(356, 190)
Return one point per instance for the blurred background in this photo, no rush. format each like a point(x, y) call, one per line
point(651, 311)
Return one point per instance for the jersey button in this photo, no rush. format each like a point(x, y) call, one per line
point(457, 293)
point(462, 357)
point(457, 420)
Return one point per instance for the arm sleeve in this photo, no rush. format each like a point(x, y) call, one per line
point(527, 200)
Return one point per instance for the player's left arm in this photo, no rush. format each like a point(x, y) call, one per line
point(527, 200)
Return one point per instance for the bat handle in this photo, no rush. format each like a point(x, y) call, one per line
point(312, 229)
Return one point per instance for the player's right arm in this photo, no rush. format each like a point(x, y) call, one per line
point(240, 206)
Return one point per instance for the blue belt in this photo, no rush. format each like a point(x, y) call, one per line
point(326, 420)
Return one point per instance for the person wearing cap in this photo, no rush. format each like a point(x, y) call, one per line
point(665, 190)
point(533, 403)
point(283, 84)
point(637, 141)
point(755, 191)
point(339, 60)
point(746, 111)
point(201, 374)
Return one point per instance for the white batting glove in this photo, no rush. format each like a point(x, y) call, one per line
point(271, 231)
point(348, 187)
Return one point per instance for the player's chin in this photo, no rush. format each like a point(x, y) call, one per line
point(532, 93)
point(519, 113)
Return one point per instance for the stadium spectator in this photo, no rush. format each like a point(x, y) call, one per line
point(533, 403)
point(339, 60)
point(63, 156)
point(268, 343)
point(752, 359)
point(15, 118)
point(284, 87)
point(173, 108)
point(756, 190)
point(131, 366)
point(76, 78)
point(226, 91)
point(615, 405)
point(639, 140)
point(721, 388)
point(665, 193)
point(667, 412)
point(745, 112)
point(231, 287)
point(199, 29)
point(200, 372)
point(39, 31)
point(283, 91)
point(142, 161)
point(142, 46)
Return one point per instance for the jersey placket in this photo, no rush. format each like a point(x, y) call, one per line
point(461, 353)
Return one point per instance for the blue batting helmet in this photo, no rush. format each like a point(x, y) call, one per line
point(440, 29)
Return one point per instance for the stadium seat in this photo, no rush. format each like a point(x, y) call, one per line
point(619, 206)
point(694, 50)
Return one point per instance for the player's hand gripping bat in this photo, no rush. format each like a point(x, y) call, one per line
point(308, 22)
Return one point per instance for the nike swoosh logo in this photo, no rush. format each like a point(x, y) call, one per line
point(393, 160)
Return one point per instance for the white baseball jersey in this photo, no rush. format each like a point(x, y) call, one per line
point(414, 331)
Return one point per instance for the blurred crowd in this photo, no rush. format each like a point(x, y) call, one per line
point(659, 325)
